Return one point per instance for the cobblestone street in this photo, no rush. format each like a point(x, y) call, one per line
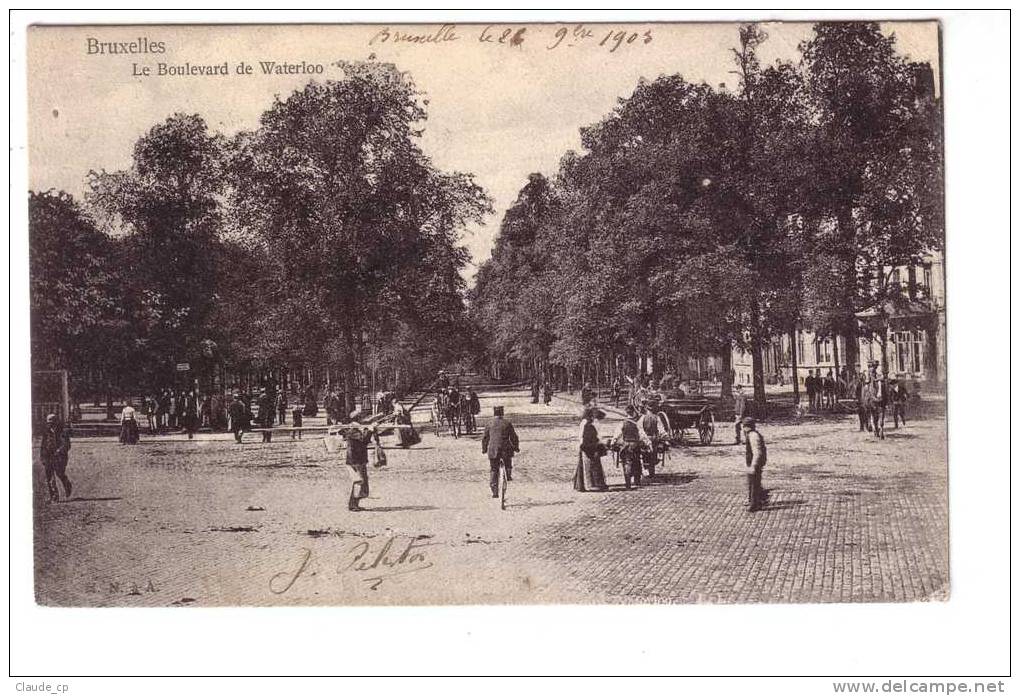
point(208, 522)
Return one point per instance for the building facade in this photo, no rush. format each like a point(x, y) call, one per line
point(914, 328)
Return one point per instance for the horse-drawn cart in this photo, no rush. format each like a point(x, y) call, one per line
point(691, 413)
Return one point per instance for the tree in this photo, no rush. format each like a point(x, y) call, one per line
point(167, 207)
point(876, 170)
point(359, 226)
point(78, 322)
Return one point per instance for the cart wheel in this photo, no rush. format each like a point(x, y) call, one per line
point(706, 431)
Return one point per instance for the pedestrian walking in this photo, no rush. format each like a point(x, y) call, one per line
point(358, 438)
point(589, 475)
point(499, 443)
point(547, 393)
point(535, 390)
point(755, 457)
point(238, 413)
point(616, 391)
point(54, 449)
point(740, 410)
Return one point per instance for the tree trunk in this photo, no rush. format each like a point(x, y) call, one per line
point(727, 371)
point(852, 348)
point(884, 342)
point(758, 372)
point(793, 366)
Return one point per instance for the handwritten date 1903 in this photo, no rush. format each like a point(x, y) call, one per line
point(612, 39)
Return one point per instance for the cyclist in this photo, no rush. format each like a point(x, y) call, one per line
point(499, 442)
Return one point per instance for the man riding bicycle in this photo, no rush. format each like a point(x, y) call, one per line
point(499, 442)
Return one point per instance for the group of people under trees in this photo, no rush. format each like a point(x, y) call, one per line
point(458, 409)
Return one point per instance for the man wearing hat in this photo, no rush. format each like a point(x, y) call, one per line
point(238, 416)
point(499, 442)
point(755, 457)
point(53, 451)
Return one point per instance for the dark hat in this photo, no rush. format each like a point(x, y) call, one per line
point(51, 418)
point(747, 422)
point(631, 411)
point(497, 410)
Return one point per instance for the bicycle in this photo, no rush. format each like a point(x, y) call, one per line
point(504, 484)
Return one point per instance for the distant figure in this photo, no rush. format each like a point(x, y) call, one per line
point(819, 389)
point(535, 391)
point(589, 475)
point(311, 402)
point(406, 436)
point(809, 388)
point(755, 458)
point(150, 413)
point(297, 416)
point(238, 413)
point(616, 391)
point(128, 425)
point(499, 442)
point(547, 393)
point(267, 413)
point(587, 395)
point(829, 390)
point(53, 451)
point(740, 410)
point(281, 405)
point(474, 408)
point(189, 409)
point(453, 414)
point(898, 397)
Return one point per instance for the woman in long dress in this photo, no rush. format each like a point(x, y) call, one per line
point(589, 475)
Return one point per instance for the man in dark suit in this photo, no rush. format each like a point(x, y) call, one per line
point(499, 442)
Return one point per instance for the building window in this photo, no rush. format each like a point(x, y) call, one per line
point(927, 280)
point(823, 351)
point(801, 353)
point(920, 338)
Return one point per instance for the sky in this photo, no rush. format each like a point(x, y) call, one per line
point(498, 110)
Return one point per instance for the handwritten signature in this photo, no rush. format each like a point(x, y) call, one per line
point(370, 563)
